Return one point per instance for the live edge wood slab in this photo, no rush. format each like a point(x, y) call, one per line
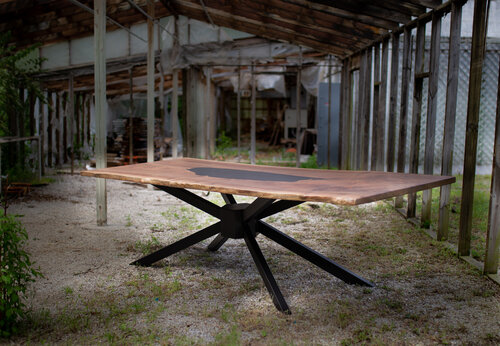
point(297, 184)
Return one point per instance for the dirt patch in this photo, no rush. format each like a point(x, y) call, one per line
point(90, 293)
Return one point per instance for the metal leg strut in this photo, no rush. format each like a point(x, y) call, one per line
point(182, 244)
point(311, 255)
point(265, 273)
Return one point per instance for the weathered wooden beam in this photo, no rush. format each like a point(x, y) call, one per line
point(271, 30)
point(151, 86)
point(174, 113)
point(344, 108)
point(71, 117)
point(59, 149)
point(403, 113)
point(449, 119)
point(382, 106)
point(238, 114)
point(404, 7)
point(376, 100)
point(100, 106)
point(354, 17)
point(368, 9)
point(493, 234)
point(366, 112)
point(298, 106)
point(360, 105)
point(252, 120)
point(430, 127)
point(41, 133)
point(393, 103)
point(348, 126)
point(416, 114)
point(476, 68)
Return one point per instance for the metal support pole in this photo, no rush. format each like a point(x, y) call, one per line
point(100, 105)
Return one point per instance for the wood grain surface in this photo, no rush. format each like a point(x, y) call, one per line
point(314, 185)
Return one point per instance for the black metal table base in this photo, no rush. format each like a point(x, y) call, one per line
point(243, 221)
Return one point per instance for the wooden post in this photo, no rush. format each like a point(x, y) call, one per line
point(151, 84)
point(41, 134)
point(430, 127)
point(417, 113)
point(89, 116)
point(238, 113)
point(449, 119)
point(382, 106)
point(328, 141)
point(212, 126)
point(71, 116)
point(403, 113)
point(360, 111)
point(376, 104)
point(131, 116)
point(252, 122)
point(298, 105)
point(100, 105)
point(174, 112)
point(493, 235)
point(58, 121)
point(50, 123)
point(344, 128)
point(393, 103)
point(161, 96)
point(476, 69)
point(348, 148)
point(366, 111)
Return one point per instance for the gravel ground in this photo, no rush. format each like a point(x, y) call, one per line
point(90, 293)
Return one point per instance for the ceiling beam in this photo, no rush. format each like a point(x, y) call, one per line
point(267, 30)
point(366, 8)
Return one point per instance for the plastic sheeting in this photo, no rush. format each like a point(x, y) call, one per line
point(264, 81)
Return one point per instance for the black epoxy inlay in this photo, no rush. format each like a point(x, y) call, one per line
point(226, 173)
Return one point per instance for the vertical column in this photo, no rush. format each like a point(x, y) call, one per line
point(476, 69)
point(151, 83)
point(493, 235)
point(343, 157)
point(100, 105)
point(41, 134)
point(71, 116)
point(417, 113)
point(50, 123)
point(376, 104)
point(298, 106)
point(238, 113)
point(366, 111)
point(161, 95)
point(174, 111)
point(252, 122)
point(131, 116)
point(58, 125)
point(360, 111)
point(382, 106)
point(449, 118)
point(393, 103)
point(403, 113)
point(430, 128)
point(329, 130)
